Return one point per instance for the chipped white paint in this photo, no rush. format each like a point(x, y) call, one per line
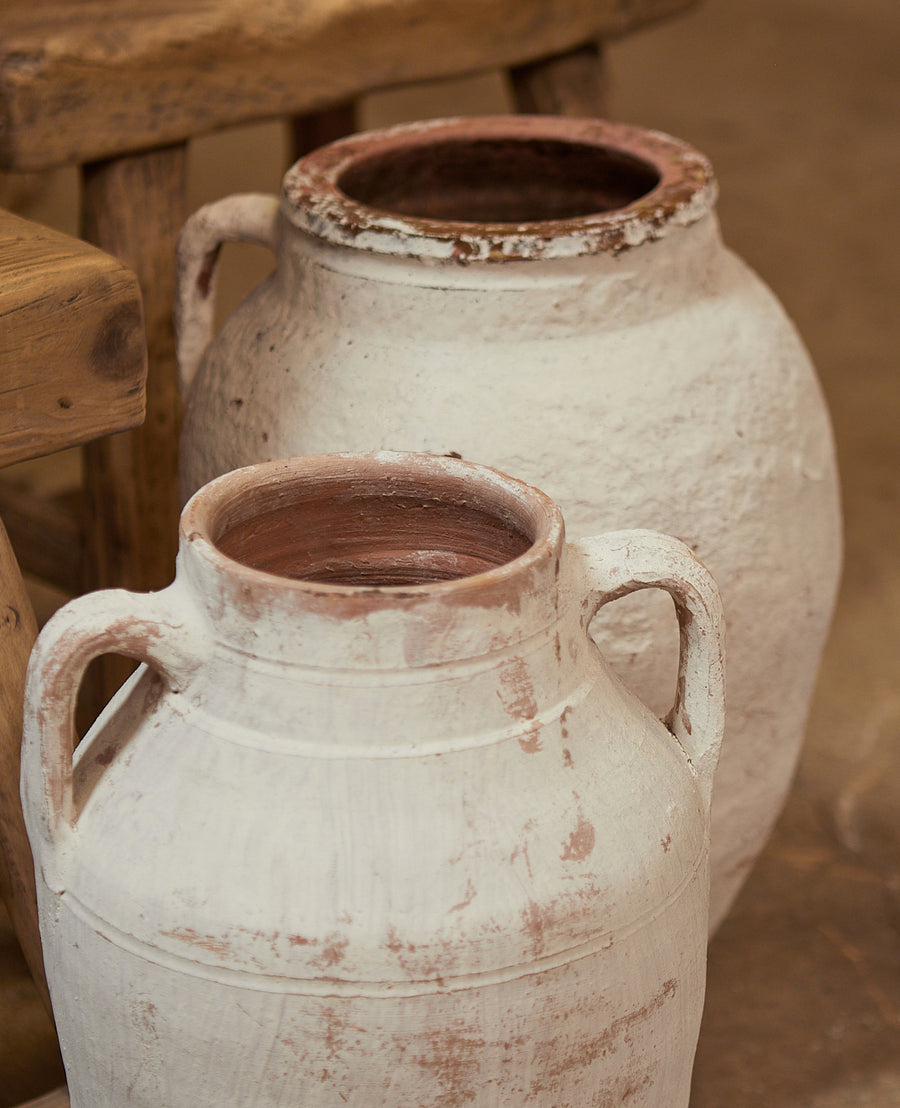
point(649, 380)
point(384, 845)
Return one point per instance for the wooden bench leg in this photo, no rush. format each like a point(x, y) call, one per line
point(134, 207)
point(309, 132)
point(571, 84)
point(18, 629)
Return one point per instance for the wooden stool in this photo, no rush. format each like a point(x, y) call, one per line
point(73, 365)
point(120, 90)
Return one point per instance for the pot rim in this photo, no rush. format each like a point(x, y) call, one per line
point(313, 200)
point(223, 504)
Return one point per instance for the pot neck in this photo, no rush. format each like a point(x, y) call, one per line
point(465, 562)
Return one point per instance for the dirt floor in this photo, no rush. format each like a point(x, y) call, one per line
point(796, 102)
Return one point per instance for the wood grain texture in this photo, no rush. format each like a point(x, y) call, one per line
point(82, 80)
point(71, 342)
point(73, 367)
point(134, 208)
point(18, 629)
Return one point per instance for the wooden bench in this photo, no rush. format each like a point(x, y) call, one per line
point(120, 89)
point(72, 369)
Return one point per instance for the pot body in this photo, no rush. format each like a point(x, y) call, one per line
point(627, 363)
point(390, 844)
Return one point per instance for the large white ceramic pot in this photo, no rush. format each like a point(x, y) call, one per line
point(377, 826)
point(551, 297)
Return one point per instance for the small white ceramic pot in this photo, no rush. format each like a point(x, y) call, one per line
point(376, 824)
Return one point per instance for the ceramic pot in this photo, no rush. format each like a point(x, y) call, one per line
point(551, 297)
point(376, 825)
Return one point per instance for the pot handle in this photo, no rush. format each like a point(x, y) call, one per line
point(246, 217)
point(148, 627)
point(623, 562)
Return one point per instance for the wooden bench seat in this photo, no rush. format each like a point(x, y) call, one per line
point(84, 80)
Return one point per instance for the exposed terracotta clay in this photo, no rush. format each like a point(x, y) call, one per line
point(377, 826)
point(552, 297)
point(404, 536)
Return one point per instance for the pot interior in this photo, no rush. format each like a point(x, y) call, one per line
point(498, 180)
point(352, 531)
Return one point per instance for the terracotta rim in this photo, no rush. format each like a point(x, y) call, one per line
point(337, 193)
point(249, 521)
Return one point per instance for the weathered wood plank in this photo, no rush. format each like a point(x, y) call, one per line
point(18, 629)
point(134, 208)
point(71, 342)
point(72, 367)
point(87, 79)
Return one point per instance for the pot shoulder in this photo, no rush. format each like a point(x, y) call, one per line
point(530, 849)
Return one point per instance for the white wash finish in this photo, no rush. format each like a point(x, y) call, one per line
point(623, 360)
point(404, 843)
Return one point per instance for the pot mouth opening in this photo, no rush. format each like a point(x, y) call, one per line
point(498, 180)
point(365, 525)
point(498, 188)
